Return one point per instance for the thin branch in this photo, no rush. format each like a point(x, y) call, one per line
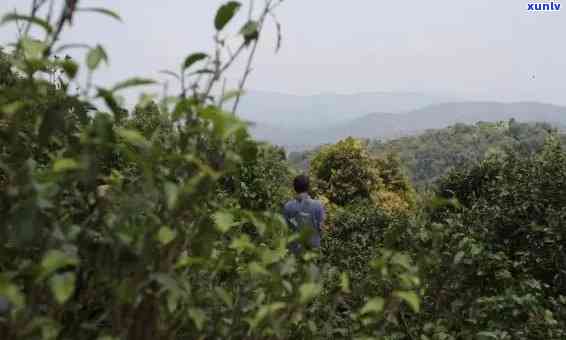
point(233, 57)
point(245, 77)
point(166, 89)
point(269, 6)
point(217, 71)
point(275, 5)
point(229, 50)
point(66, 16)
point(195, 85)
point(183, 85)
point(51, 10)
point(222, 94)
point(278, 29)
point(35, 6)
point(220, 68)
point(19, 27)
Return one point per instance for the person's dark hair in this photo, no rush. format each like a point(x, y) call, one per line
point(301, 184)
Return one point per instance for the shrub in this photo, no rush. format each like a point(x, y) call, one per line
point(140, 227)
point(493, 255)
point(345, 173)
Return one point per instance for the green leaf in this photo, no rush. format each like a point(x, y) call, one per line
point(308, 291)
point(411, 298)
point(12, 108)
point(12, 293)
point(198, 317)
point(166, 235)
point(33, 49)
point(374, 305)
point(49, 328)
point(459, 256)
point(257, 269)
point(270, 256)
point(171, 194)
point(71, 68)
point(263, 312)
point(70, 46)
point(168, 282)
point(250, 31)
point(242, 243)
point(132, 82)
point(188, 261)
point(62, 286)
point(224, 296)
point(54, 260)
point(133, 137)
point(223, 221)
point(192, 59)
point(173, 299)
point(34, 20)
point(204, 71)
point(345, 283)
point(171, 73)
point(223, 124)
point(95, 56)
point(225, 13)
point(65, 164)
point(104, 11)
point(112, 103)
point(402, 260)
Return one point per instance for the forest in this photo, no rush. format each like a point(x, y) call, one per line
point(164, 221)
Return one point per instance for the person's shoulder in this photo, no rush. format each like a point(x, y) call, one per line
point(317, 203)
point(289, 205)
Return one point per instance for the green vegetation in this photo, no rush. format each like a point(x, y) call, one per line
point(346, 174)
point(434, 153)
point(163, 222)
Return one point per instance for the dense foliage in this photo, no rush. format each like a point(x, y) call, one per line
point(163, 222)
point(160, 223)
point(345, 173)
point(501, 254)
point(431, 155)
point(488, 248)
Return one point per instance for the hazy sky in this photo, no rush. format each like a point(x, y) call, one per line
point(488, 49)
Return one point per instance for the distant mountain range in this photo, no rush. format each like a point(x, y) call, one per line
point(326, 110)
point(393, 125)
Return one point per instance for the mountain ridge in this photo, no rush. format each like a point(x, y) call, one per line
point(394, 125)
point(326, 110)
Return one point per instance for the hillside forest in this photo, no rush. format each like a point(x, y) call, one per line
point(164, 221)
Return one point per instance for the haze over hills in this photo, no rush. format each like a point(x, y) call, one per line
point(327, 110)
point(388, 125)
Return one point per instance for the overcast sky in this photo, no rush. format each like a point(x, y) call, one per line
point(483, 49)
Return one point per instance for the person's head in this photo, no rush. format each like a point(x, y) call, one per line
point(301, 184)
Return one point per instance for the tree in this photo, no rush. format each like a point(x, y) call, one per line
point(345, 173)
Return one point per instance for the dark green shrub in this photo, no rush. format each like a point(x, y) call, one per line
point(119, 226)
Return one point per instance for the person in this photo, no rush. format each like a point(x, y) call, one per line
point(5, 305)
point(304, 212)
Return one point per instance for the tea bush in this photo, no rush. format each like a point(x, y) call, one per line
point(160, 224)
point(163, 222)
point(345, 173)
point(495, 251)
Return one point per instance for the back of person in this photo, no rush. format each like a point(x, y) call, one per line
point(305, 215)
